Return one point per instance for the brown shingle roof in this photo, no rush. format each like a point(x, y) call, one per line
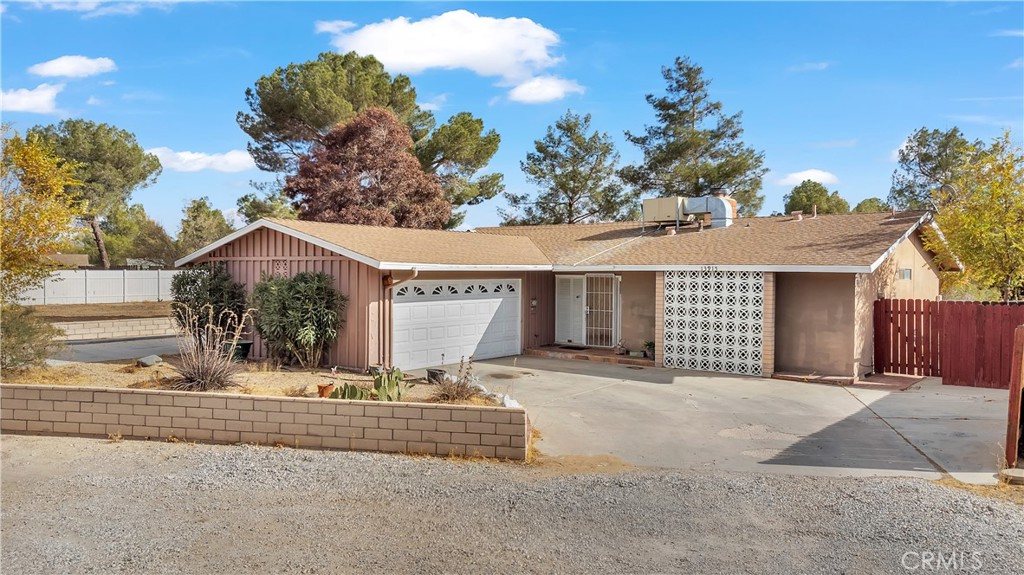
point(834, 241)
point(828, 240)
point(411, 246)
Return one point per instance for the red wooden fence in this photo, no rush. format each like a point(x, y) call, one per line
point(1014, 445)
point(967, 343)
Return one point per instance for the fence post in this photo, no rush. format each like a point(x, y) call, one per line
point(1016, 390)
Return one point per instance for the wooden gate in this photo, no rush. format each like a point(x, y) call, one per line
point(966, 343)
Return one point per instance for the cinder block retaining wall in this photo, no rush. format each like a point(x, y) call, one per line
point(295, 422)
point(117, 328)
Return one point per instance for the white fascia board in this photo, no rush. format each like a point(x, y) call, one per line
point(720, 268)
point(284, 230)
point(885, 255)
point(402, 266)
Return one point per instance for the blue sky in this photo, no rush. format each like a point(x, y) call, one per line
point(827, 90)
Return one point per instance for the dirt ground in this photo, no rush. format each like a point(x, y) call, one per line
point(103, 311)
point(75, 505)
point(257, 378)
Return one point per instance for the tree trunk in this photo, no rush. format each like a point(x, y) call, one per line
point(102, 247)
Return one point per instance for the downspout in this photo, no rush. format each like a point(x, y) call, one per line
point(388, 329)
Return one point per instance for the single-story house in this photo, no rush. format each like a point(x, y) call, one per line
point(714, 292)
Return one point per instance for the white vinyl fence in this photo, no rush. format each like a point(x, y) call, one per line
point(102, 286)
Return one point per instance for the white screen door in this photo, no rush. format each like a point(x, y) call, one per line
point(601, 299)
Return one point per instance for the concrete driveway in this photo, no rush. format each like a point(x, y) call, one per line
point(670, 418)
point(109, 350)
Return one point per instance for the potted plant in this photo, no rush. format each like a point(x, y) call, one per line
point(649, 348)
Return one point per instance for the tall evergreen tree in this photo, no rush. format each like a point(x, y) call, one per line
point(110, 166)
point(695, 148)
point(929, 160)
point(294, 108)
point(576, 173)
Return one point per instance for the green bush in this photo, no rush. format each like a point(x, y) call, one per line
point(25, 340)
point(208, 285)
point(298, 317)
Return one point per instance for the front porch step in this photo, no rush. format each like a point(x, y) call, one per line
point(596, 357)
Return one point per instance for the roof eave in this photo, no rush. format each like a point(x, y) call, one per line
point(264, 223)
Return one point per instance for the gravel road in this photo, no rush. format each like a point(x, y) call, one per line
point(72, 505)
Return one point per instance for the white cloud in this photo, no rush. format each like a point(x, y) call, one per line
point(810, 67)
point(514, 50)
point(894, 155)
point(1018, 63)
point(832, 144)
point(234, 218)
point(820, 176)
point(93, 101)
point(96, 8)
point(434, 104)
point(231, 161)
point(73, 67)
point(544, 89)
point(108, 82)
point(40, 100)
point(1010, 33)
point(332, 26)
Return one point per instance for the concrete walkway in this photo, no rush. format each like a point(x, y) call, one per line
point(109, 350)
point(670, 418)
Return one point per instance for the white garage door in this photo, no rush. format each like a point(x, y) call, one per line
point(456, 319)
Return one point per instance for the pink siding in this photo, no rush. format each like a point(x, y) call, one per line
point(366, 335)
point(254, 254)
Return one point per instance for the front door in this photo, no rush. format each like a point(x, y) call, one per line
point(600, 310)
point(570, 309)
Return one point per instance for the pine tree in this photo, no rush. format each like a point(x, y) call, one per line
point(695, 148)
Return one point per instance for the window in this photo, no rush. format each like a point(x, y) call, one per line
point(905, 273)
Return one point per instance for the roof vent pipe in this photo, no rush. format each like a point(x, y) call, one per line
point(798, 215)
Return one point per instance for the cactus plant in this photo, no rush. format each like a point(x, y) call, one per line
point(390, 385)
point(349, 391)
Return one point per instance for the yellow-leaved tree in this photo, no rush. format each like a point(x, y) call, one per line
point(982, 217)
point(38, 217)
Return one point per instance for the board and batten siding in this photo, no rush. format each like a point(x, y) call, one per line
point(367, 316)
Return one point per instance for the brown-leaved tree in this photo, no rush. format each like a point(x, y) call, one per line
point(364, 173)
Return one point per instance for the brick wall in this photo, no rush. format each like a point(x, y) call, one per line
point(659, 319)
point(768, 327)
point(117, 328)
point(295, 422)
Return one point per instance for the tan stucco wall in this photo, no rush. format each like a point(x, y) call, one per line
point(815, 314)
point(885, 283)
point(637, 307)
point(924, 282)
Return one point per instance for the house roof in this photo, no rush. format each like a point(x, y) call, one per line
point(848, 243)
point(403, 248)
point(845, 241)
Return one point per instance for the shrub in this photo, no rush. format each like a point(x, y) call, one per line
point(194, 288)
point(461, 387)
point(207, 344)
point(298, 317)
point(25, 340)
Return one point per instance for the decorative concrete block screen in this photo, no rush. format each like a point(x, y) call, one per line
point(714, 321)
point(290, 421)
